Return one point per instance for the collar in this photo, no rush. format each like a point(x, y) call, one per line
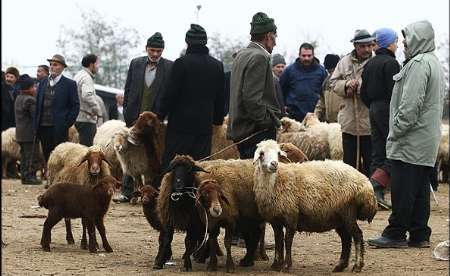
point(54, 81)
point(149, 61)
point(89, 72)
point(260, 46)
point(384, 51)
point(197, 49)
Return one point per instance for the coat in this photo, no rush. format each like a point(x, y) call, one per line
point(65, 106)
point(134, 87)
point(25, 109)
point(194, 100)
point(349, 67)
point(329, 104)
point(8, 119)
point(253, 103)
point(417, 101)
point(89, 107)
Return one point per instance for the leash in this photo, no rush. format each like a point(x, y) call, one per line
point(175, 196)
point(206, 236)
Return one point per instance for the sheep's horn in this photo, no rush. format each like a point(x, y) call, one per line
point(83, 160)
point(107, 162)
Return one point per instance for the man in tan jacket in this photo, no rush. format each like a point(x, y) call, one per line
point(354, 116)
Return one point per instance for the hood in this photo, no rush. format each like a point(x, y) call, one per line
point(419, 38)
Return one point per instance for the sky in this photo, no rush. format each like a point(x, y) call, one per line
point(30, 28)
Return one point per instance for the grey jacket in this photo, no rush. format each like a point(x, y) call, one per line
point(253, 102)
point(25, 108)
point(417, 101)
point(89, 107)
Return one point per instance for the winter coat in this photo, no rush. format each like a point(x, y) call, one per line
point(350, 67)
point(89, 107)
point(253, 103)
point(8, 119)
point(25, 109)
point(329, 104)
point(417, 101)
point(134, 87)
point(195, 96)
point(301, 88)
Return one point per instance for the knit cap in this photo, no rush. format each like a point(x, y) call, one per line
point(262, 24)
point(278, 59)
point(196, 35)
point(155, 41)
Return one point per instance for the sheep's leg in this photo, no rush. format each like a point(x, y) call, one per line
point(83, 244)
point(346, 244)
point(359, 247)
point(279, 246)
point(52, 219)
point(251, 235)
point(289, 237)
point(189, 243)
point(101, 230)
point(228, 237)
point(4, 168)
point(164, 250)
point(212, 264)
point(69, 236)
point(91, 233)
point(137, 184)
point(261, 249)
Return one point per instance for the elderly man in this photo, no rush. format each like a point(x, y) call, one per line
point(354, 116)
point(414, 134)
point(42, 72)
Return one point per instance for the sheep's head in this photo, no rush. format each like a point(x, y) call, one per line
point(119, 141)
point(210, 196)
point(310, 120)
point(267, 155)
point(148, 194)
point(94, 158)
point(108, 184)
point(182, 168)
point(291, 125)
point(147, 122)
point(294, 154)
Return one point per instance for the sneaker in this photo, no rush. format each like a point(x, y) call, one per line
point(121, 199)
point(419, 244)
point(384, 242)
point(31, 181)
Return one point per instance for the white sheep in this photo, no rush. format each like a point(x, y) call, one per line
point(10, 149)
point(314, 196)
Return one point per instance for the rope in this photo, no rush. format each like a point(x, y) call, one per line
point(206, 236)
point(175, 196)
point(355, 113)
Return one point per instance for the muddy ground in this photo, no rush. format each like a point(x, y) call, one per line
point(135, 244)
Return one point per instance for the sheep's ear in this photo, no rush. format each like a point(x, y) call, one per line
point(169, 169)
point(257, 156)
point(85, 158)
point(104, 159)
point(282, 153)
point(196, 168)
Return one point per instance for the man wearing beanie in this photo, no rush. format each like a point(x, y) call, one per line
point(329, 103)
point(376, 91)
point(278, 65)
point(145, 84)
point(25, 107)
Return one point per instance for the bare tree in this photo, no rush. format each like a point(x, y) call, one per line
point(443, 54)
point(224, 48)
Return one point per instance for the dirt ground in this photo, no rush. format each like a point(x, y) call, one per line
point(135, 244)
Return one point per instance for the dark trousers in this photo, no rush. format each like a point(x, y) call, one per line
point(379, 127)
point(349, 146)
point(86, 132)
point(28, 160)
point(247, 149)
point(127, 185)
point(47, 137)
point(410, 196)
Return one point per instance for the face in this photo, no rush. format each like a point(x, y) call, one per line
point(41, 73)
point(268, 154)
point(270, 41)
point(154, 53)
point(363, 50)
point(306, 56)
point(56, 68)
point(10, 79)
point(93, 67)
point(119, 99)
point(393, 46)
point(278, 69)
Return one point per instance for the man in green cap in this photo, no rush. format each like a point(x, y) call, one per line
point(146, 81)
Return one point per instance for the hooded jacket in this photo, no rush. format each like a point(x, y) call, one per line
point(417, 100)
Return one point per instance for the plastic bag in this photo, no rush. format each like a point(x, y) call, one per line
point(440, 252)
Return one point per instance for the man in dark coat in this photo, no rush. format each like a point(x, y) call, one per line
point(8, 97)
point(194, 101)
point(57, 106)
point(146, 82)
point(376, 92)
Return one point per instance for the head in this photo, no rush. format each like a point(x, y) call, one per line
point(155, 47)
point(90, 62)
point(109, 184)
point(363, 42)
point(119, 99)
point(330, 62)
point(278, 64)
point(291, 125)
point(306, 54)
point(119, 141)
point(42, 72)
point(267, 156)
point(196, 35)
point(27, 84)
point(387, 38)
point(57, 65)
point(293, 153)
point(146, 122)
point(210, 196)
point(11, 75)
point(418, 38)
point(182, 168)
point(310, 119)
point(94, 158)
point(264, 31)
point(149, 195)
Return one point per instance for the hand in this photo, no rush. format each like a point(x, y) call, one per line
point(351, 87)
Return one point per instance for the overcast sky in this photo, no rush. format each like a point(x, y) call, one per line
point(30, 28)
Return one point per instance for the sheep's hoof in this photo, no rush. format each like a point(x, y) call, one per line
point(357, 268)
point(187, 269)
point(212, 266)
point(83, 245)
point(276, 266)
point(92, 249)
point(245, 262)
point(157, 266)
point(46, 248)
point(133, 200)
point(261, 256)
point(230, 266)
point(108, 248)
point(70, 241)
point(340, 267)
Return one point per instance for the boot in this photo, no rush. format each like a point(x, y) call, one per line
point(379, 194)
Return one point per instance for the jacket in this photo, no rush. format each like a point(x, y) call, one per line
point(329, 104)
point(8, 119)
point(89, 107)
point(25, 109)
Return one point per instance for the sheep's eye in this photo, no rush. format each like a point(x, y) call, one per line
point(261, 154)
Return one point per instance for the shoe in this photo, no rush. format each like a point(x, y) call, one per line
point(121, 199)
point(384, 242)
point(31, 181)
point(419, 244)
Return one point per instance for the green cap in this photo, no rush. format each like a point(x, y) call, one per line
point(262, 24)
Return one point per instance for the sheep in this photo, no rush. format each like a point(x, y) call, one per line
point(314, 196)
point(219, 141)
point(443, 155)
point(72, 200)
point(313, 142)
point(291, 125)
point(73, 135)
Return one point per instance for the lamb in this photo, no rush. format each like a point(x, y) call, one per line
point(10, 149)
point(73, 135)
point(314, 196)
point(313, 142)
point(72, 200)
point(290, 125)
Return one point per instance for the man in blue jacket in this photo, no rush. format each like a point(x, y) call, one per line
point(57, 106)
point(301, 83)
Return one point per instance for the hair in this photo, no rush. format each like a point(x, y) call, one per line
point(45, 67)
point(307, 46)
point(257, 37)
point(88, 60)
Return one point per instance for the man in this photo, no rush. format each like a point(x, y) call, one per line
point(9, 97)
point(119, 101)
point(354, 116)
point(414, 134)
point(278, 65)
point(145, 84)
point(42, 72)
point(57, 106)
point(254, 109)
point(194, 100)
point(376, 91)
point(301, 83)
point(86, 123)
point(329, 103)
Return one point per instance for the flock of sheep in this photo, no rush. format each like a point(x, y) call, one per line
point(277, 187)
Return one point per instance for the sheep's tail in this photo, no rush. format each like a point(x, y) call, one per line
point(43, 201)
point(367, 204)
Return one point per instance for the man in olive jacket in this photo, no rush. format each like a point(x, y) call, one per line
point(413, 140)
point(253, 104)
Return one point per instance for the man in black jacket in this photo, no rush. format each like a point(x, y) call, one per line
point(146, 83)
point(376, 91)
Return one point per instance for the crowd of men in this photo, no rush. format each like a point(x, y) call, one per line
point(390, 115)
